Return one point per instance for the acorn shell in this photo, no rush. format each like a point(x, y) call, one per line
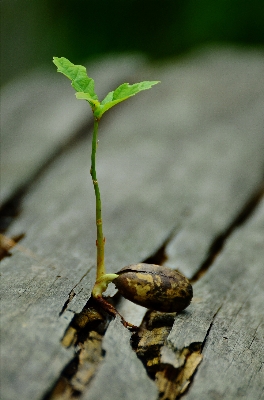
point(154, 287)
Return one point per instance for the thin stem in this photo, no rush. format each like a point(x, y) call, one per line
point(99, 223)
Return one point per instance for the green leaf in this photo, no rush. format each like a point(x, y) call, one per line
point(84, 87)
point(77, 74)
point(125, 90)
point(122, 93)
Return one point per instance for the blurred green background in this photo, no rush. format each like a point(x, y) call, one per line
point(35, 30)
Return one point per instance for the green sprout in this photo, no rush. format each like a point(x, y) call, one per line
point(84, 86)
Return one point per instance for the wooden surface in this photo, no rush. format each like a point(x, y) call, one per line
point(180, 169)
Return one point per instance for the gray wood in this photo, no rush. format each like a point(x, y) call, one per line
point(183, 159)
point(232, 365)
point(122, 372)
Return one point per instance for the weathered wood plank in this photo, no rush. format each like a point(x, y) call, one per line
point(119, 362)
point(233, 353)
point(189, 170)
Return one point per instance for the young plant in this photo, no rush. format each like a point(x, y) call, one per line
point(145, 286)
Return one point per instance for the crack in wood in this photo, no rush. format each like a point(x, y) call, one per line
point(209, 329)
point(219, 242)
point(171, 377)
point(85, 334)
point(193, 357)
point(84, 275)
point(71, 295)
point(11, 208)
point(159, 256)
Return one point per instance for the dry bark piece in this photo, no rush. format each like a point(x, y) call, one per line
point(155, 287)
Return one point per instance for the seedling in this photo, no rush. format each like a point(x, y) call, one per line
point(84, 86)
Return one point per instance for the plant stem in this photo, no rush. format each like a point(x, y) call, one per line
point(99, 223)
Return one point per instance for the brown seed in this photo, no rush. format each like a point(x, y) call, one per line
point(155, 287)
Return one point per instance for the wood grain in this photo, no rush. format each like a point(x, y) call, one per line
point(233, 352)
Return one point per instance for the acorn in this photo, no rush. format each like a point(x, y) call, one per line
point(155, 287)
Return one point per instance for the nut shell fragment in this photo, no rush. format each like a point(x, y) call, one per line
point(154, 287)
